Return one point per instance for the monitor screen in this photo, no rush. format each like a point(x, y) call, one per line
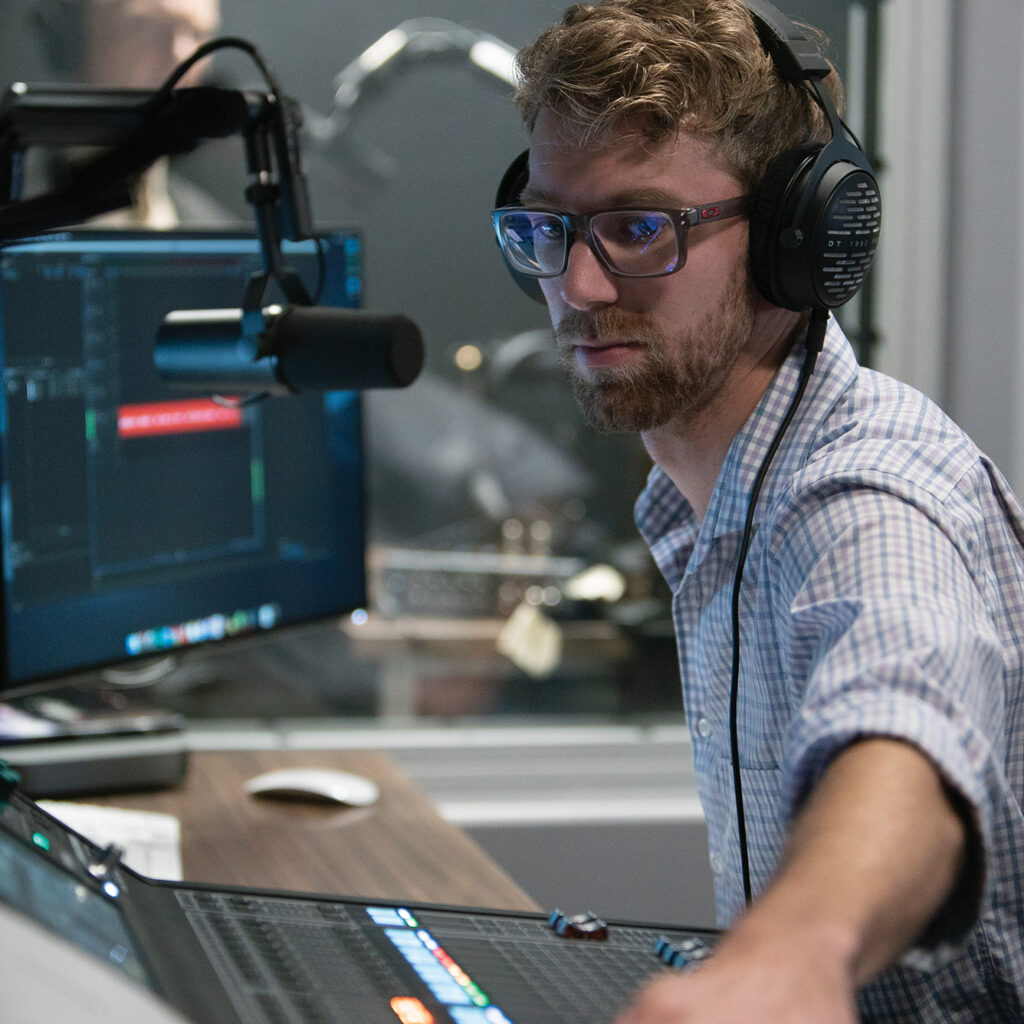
point(139, 520)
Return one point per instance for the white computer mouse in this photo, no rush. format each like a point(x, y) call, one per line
point(323, 785)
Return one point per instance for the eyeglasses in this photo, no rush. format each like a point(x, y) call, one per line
point(629, 242)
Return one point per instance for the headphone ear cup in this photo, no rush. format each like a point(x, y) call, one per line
point(783, 175)
point(513, 181)
point(815, 226)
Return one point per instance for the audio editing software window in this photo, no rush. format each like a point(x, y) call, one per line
point(137, 519)
point(106, 461)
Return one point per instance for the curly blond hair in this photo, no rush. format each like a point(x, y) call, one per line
point(669, 65)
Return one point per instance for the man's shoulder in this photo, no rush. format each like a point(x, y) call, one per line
point(884, 432)
point(881, 453)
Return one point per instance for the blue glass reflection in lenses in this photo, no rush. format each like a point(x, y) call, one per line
point(535, 241)
point(637, 241)
point(629, 242)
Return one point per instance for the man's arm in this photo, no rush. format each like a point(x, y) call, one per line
point(870, 860)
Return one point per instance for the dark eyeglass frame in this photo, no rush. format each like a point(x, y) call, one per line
point(578, 225)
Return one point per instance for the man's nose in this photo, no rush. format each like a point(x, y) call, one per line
point(587, 282)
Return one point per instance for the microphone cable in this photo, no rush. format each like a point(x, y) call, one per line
point(204, 50)
point(814, 343)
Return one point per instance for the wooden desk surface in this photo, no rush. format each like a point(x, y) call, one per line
point(400, 848)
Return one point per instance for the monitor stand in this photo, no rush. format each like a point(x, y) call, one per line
point(76, 741)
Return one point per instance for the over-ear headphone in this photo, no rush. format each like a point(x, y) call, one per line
point(817, 211)
point(513, 181)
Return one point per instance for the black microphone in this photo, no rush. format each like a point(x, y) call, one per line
point(287, 349)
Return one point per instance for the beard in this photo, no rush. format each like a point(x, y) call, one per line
point(676, 376)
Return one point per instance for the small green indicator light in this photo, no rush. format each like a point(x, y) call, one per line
point(257, 481)
point(40, 840)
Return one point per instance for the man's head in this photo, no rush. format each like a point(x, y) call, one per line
point(668, 65)
point(138, 43)
point(671, 109)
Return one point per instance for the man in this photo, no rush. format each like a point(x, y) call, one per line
point(880, 624)
point(132, 44)
point(138, 43)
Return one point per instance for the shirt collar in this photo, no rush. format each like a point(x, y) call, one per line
point(664, 516)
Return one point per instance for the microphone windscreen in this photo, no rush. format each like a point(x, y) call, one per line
point(326, 349)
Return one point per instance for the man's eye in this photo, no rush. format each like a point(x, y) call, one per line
point(642, 229)
point(550, 230)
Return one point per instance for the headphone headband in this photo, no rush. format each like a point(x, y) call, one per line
point(795, 57)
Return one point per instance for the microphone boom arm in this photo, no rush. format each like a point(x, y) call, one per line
point(134, 128)
point(268, 350)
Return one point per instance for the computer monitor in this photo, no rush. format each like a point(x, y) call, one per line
point(138, 521)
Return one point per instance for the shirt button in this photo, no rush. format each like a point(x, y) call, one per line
point(717, 864)
point(704, 728)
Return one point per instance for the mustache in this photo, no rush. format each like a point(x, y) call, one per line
point(603, 325)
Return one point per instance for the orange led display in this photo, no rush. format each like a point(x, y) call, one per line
point(410, 1010)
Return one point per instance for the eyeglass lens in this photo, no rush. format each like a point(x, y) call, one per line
point(631, 242)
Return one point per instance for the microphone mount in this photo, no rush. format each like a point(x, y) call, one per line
point(134, 128)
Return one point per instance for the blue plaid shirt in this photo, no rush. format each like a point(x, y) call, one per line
point(883, 595)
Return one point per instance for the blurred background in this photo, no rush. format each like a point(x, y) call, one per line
point(408, 130)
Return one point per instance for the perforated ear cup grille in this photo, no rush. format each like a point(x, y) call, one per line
point(814, 228)
point(847, 238)
point(769, 205)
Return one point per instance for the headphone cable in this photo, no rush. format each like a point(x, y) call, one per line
point(815, 340)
